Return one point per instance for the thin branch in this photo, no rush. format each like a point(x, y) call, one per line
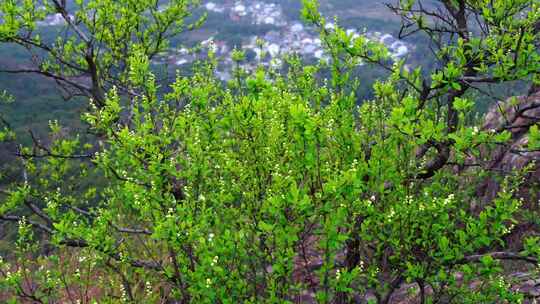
point(50, 75)
point(500, 255)
point(14, 218)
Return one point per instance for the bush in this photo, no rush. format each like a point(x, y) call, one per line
point(274, 188)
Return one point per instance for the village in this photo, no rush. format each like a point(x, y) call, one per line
point(285, 37)
point(289, 37)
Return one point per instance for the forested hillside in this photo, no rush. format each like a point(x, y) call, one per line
point(280, 151)
point(270, 21)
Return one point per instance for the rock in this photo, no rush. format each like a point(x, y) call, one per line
point(516, 115)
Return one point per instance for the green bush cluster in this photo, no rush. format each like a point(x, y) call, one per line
point(276, 186)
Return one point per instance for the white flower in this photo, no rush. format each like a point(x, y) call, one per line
point(408, 199)
point(214, 261)
point(22, 221)
point(449, 199)
point(124, 296)
point(391, 214)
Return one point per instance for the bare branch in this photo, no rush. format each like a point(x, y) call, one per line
point(500, 255)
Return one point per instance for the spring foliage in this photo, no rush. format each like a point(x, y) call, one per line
point(277, 184)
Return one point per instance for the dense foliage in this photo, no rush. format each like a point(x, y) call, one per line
point(275, 187)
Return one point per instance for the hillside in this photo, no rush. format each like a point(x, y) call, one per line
point(231, 151)
point(280, 30)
